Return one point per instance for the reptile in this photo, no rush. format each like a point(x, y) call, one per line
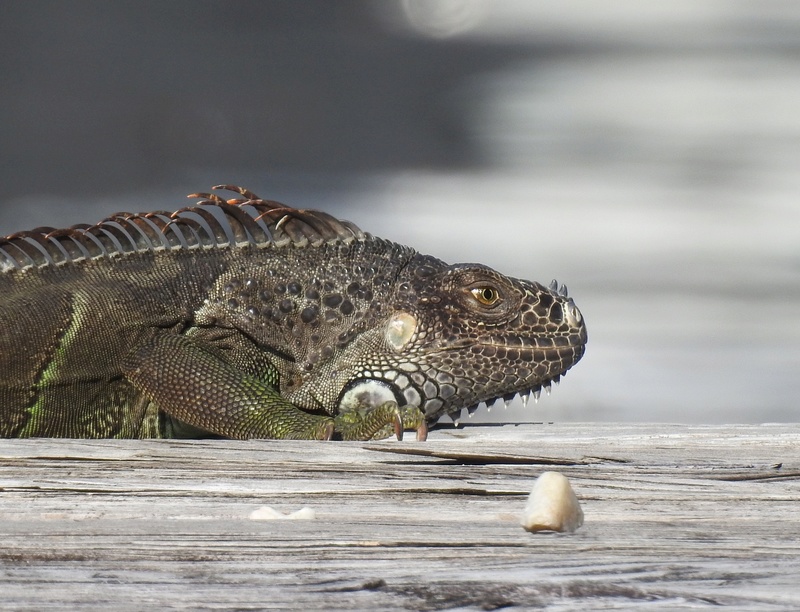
point(246, 318)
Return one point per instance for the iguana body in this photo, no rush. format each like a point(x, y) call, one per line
point(250, 319)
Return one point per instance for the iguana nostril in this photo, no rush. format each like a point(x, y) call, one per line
point(574, 316)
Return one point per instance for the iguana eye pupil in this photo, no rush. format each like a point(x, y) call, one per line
point(487, 296)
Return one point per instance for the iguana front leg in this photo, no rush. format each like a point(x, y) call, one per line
point(197, 387)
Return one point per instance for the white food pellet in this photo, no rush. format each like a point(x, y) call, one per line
point(552, 505)
point(266, 513)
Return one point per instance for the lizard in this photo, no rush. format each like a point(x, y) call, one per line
point(247, 318)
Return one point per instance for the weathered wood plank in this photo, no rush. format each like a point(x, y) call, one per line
point(676, 516)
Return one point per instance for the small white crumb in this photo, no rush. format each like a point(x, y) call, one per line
point(552, 505)
point(266, 513)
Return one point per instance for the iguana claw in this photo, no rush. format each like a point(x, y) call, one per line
point(327, 432)
point(397, 426)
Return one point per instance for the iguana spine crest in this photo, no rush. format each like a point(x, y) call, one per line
point(238, 222)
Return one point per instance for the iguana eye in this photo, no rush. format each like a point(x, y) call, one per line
point(488, 296)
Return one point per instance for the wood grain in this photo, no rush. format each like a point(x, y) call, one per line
point(676, 517)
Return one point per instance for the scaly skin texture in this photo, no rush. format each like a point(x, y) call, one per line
point(246, 318)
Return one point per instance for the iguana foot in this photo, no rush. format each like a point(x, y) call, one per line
point(381, 422)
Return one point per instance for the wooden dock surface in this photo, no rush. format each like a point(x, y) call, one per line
point(676, 517)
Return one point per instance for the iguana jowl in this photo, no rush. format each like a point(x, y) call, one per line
point(247, 318)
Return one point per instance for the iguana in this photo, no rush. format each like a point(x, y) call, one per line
point(245, 318)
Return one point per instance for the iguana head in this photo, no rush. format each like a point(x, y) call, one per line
point(457, 335)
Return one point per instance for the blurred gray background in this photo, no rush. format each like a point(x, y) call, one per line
point(646, 154)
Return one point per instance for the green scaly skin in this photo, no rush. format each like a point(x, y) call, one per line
point(249, 319)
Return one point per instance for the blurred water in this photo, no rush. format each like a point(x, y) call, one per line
point(646, 155)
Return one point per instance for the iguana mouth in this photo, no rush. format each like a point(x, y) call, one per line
point(514, 343)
